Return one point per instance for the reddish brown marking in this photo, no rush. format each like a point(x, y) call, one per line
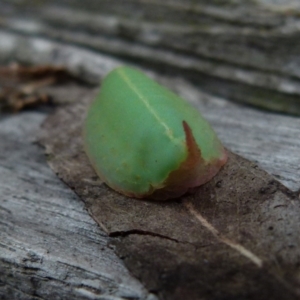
point(194, 153)
point(192, 172)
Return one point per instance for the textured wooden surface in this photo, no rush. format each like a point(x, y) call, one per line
point(49, 246)
point(249, 49)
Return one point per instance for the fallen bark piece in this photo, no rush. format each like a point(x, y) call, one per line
point(237, 237)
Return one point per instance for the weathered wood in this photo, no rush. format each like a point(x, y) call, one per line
point(50, 217)
point(50, 248)
point(248, 49)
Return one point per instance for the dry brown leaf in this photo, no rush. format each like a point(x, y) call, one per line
point(16, 72)
point(237, 237)
point(22, 87)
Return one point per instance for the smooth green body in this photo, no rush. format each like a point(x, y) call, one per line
point(134, 136)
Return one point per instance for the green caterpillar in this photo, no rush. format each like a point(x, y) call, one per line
point(146, 142)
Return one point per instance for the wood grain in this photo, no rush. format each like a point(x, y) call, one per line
point(38, 213)
point(50, 248)
point(249, 49)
